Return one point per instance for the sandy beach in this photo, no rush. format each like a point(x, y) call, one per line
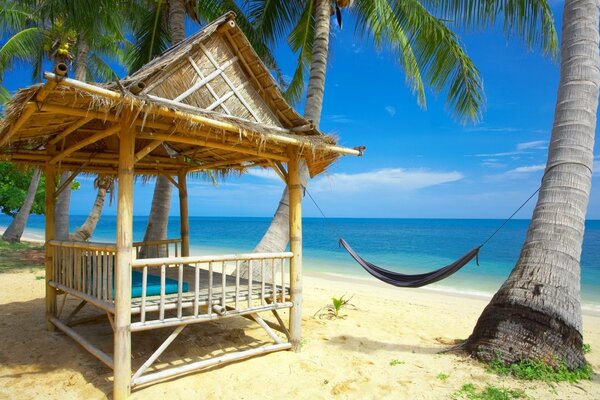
point(387, 346)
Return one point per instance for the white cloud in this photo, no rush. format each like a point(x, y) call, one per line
point(339, 119)
point(536, 144)
point(263, 173)
point(390, 110)
point(505, 154)
point(527, 169)
point(388, 179)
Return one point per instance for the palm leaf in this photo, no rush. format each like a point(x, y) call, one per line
point(301, 40)
point(531, 20)
point(99, 69)
point(24, 46)
point(272, 18)
point(150, 35)
point(13, 17)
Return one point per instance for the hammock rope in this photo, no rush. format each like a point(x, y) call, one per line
point(417, 280)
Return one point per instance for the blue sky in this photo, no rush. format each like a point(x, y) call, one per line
point(419, 163)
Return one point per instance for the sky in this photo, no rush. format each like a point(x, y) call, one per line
point(419, 163)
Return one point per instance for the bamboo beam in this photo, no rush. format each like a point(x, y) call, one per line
point(208, 86)
point(70, 129)
point(222, 163)
point(60, 70)
point(93, 350)
point(147, 150)
point(295, 195)
point(215, 145)
point(69, 180)
point(122, 331)
point(170, 178)
point(210, 77)
point(166, 112)
point(156, 262)
point(82, 143)
point(229, 83)
point(184, 214)
point(50, 232)
point(186, 368)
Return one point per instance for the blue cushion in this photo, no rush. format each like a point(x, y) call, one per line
point(153, 285)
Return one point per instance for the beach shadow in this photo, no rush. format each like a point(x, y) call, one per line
point(367, 345)
point(28, 349)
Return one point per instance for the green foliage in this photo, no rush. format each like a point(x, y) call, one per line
point(395, 362)
point(20, 256)
point(469, 392)
point(332, 311)
point(540, 371)
point(13, 190)
point(442, 376)
point(586, 348)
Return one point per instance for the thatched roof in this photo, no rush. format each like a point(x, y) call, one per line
point(207, 103)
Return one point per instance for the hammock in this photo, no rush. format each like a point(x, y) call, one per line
point(411, 281)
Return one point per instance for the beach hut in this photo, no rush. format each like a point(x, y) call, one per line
point(207, 104)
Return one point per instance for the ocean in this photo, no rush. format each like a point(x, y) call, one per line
point(404, 245)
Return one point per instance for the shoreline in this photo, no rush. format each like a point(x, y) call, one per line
point(592, 309)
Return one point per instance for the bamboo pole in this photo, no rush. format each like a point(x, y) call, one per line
point(184, 214)
point(155, 262)
point(85, 142)
point(50, 260)
point(295, 192)
point(122, 334)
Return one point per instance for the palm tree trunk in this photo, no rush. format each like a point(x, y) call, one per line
point(277, 235)
point(63, 203)
point(15, 230)
point(536, 314)
point(161, 200)
point(85, 231)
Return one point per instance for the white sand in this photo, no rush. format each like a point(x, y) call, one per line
point(347, 358)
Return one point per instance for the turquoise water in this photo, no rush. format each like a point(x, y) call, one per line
point(407, 245)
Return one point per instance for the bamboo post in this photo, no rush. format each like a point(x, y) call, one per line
point(295, 191)
point(50, 223)
point(122, 338)
point(184, 214)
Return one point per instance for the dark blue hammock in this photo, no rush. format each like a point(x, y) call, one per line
point(411, 281)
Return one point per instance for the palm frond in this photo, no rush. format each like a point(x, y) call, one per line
point(23, 46)
point(4, 95)
point(301, 40)
point(272, 18)
point(151, 36)
point(376, 18)
point(99, 69)
point(531, 20)
point(14, 17)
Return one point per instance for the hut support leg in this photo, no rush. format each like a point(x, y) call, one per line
point(184, 214)
point(158, 352)
point(122, 331)
point(295, 191)
point(50, 201)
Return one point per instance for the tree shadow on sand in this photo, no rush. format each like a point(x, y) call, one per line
point(28, 349)
point(368, 345)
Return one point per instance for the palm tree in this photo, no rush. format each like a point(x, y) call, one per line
point(49, 30)
point(104, 184)
point(536, 314)
point(417, 32)
point(14, 231)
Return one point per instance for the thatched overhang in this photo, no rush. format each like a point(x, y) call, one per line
point(208, 103)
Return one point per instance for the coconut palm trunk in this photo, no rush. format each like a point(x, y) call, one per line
point(536, 314)
point(277, 235)
point(15, 230)
point(85, 231)
point(161, 201)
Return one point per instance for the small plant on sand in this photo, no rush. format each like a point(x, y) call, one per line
point(332, 311)
point(586, 348)
point(540, 371)
point(442, 376)
point(469, 392)
point(395, 362)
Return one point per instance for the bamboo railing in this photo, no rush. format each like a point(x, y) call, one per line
point(215, 289)
point(85, 269)
point(163, 248)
